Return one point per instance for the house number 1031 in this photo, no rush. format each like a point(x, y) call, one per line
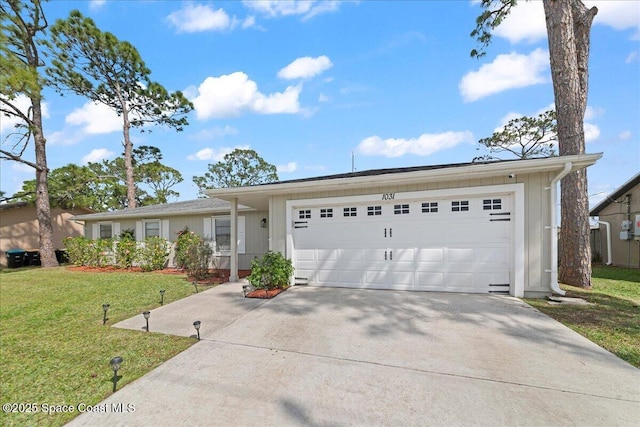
point(388, 196)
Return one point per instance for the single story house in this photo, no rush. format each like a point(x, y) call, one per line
point(617, 240)
point(19, 227)
point(486, 227)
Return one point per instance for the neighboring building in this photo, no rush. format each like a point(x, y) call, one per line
point(621, 211)
point(471, 227)
point(19, 227)
point(208, 218)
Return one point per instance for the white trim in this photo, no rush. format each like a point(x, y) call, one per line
point(516, 190)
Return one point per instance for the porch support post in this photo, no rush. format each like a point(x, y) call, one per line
point(233, 273)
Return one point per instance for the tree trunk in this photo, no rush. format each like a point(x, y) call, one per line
point(128, 162)
point(43, 208)
point(568, 29)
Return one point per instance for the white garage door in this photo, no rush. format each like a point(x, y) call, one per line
point(455, 244)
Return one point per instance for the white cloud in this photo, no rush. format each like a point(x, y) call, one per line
point(618, 14)
point(233, 94)
point(287, 168)
point(632, 57)
point(193, 18)
point(323, 98)
point(305, 67)
point(307, 8)
point(97, 155)
point(213, 154)
point(96, 4)
point(23, 104)
point(424, 145)
point(21, 167)
point(624, 135)
point(526, 22)
point(591, 132)
point(214, 133)
point(507, 71)
point(95, 118)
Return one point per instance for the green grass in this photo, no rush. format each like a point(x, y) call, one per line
point(612, 320)
point(53, 347)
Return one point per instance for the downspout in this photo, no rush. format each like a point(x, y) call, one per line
point(608, 227)
point(555, 287)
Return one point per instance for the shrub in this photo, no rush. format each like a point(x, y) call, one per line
point(186, 240)
point(154, 253)
point(273, 271)
point(85, 252)
point(199, 256)
point(126, 251)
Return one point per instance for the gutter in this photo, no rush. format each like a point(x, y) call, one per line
point(608, 227)
point(555, 287)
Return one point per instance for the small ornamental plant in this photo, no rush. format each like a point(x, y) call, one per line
point(153, 255)
point(86, 252)
point(126, 250)
point(186, 240)
point(273, 271)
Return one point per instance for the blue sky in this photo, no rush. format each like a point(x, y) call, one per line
point(306, 84)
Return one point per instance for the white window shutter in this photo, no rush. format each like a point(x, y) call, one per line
point(95, 231)
point(139, 231)
point(116, 229)
point(207, 229)
point(241, 235)
point(164, 229)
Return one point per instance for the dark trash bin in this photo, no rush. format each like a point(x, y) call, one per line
point(61, 256)
point(15, 258)
point(32, 258)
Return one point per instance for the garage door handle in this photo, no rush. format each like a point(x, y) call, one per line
point(391, 255)
point(385, 255)
point(390, 232)
point(385, 233)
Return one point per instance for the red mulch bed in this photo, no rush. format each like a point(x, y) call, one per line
point(265, 294)
point(215, 276)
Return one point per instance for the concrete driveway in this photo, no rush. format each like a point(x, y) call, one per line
point(333, 357)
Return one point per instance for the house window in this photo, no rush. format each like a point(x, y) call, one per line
point(151, 229)
point(304, 214)
point(460, 206)
point(491, 204)
point(326, 213)
point(350, 212)
point(223, 234)
point(430, 207)
point(374, 210)
point(105, 230)
point(400, 209)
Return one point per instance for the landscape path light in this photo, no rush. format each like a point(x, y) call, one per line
point(105, 308)
point(115, 365)
point(146, 315)
point(245, 290)
point(196, 325)
point(161, 296)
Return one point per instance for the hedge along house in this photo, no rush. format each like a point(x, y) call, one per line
point(208, 218)
point(471, 227)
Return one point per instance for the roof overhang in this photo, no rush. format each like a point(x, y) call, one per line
point(619, 192)
point(257, 196)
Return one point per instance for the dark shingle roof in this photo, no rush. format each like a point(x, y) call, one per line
point(166, 209)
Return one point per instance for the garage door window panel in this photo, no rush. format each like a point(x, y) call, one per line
point(350, 212)
point(460, 206)
point(430, 207)
point(491, 204)
point(401, 209)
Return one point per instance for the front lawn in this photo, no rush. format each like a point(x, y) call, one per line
point(54, 349)
point(612, 320)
